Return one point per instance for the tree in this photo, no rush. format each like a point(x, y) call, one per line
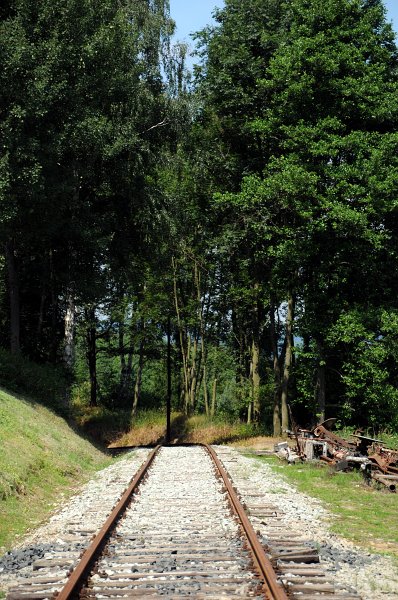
point(303, 128)
point(81, 127)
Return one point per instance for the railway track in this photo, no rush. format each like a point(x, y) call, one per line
point(180, 531)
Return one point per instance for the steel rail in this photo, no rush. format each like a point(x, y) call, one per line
point(272, 589)
point(75, 581)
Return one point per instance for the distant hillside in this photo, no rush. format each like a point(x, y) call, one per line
point(40, 456)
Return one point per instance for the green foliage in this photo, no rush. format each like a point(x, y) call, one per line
point(275, 177)
point(368, 342)
point(308, 133)
point(44, 383)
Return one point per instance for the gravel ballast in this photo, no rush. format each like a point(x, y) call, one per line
point(374, 576)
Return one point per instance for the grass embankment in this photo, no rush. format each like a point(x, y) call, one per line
point(148, 428)
point(365, 515)
point(41, 459)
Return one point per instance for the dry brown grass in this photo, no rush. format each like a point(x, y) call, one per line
point(259, 442)
point(210, 434)
point(141, 436)
point(191, 430)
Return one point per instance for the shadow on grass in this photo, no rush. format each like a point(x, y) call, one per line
point(179, 429)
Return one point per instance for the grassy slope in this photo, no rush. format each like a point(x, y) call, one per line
point(40, 456)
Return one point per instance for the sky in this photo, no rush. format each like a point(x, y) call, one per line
point(193, 15)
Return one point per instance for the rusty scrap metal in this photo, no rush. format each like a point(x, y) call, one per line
point(321, 431)
point(369, 454)
point(388, 481)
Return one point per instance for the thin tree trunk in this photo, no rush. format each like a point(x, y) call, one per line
point(187, 375)
point(255, 357)
point(288, 363)
point(126, 367)
point(138, 378)
point(182, 338)
point(213, 398)
point(250, 412)
point(15, 316)
point(70, 321)
point(205, 391)
point(193, 376)
point(277, 375)
point(40, 319)
point(91, 338)
point(256, 379)
point(122, 355)
point(321, 383)
point(54, 311)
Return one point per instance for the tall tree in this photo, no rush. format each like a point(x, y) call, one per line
point(303, 128)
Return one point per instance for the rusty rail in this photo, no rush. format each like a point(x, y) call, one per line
point(272, 589)
point(74, 582)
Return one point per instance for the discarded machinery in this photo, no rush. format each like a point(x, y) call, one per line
point(320, 443)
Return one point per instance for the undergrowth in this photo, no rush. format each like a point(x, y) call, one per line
point(44, 383)
point(149, 427)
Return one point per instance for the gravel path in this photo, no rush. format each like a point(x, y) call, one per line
point(375, 577)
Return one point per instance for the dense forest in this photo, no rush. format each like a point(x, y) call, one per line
point(239, 223)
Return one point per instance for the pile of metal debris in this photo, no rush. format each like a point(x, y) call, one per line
point(370, 455)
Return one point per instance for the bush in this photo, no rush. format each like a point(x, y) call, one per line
point(44, 383)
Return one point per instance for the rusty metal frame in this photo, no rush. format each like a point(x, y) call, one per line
point(272, 589)
point(72, 586)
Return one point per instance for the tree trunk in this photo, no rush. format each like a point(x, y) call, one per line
point(321, 383)
point(126, 367)
point(277, 375)
point(54, 311)
point(15, 317)
point(122, 356)
point(255, 355)
point(288, 363)
point(193, 376)
point(40, 319)
point(184, 351)
point(213, 398)
point(138, 378)
point(69, 343)
point(91, 339)
point(205, 390)
point(256, 380)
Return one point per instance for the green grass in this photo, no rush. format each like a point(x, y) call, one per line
point(365, 515)
point(41, 456)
